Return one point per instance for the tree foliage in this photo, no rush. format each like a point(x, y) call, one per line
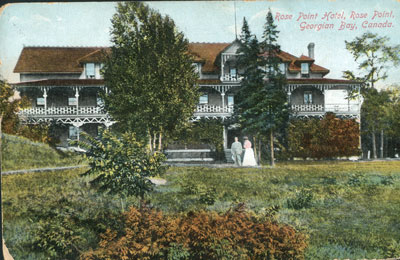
point(121, 164)
point(149, 72)
point(262, 105)
point(329, 137)
point(374, 57)
point(149, 234)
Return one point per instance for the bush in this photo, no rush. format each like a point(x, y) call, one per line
point(149, 234)
point(121, 164)
point(329, 137)
point(302, 200)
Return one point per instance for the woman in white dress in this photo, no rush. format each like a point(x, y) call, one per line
point(248, 159)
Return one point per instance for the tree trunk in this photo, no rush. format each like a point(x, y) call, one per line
point(381, 150)
point(159, 141)
point(255, 147)
point(272, 148)
point(150, 143)
point(373, 143)
point(1, 195)
point(154, 141)
point(259, 151)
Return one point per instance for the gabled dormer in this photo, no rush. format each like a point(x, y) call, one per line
point(228, 59)
point(92, 64)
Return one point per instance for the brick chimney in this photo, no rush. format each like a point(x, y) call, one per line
point(311, 50)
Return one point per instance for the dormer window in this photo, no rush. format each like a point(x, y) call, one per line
point(90, 71)
point(197, 67)
point(305, 70)
point(282, 68)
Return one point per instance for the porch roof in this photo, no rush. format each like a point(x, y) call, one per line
point(61, 82)
point(309, 81)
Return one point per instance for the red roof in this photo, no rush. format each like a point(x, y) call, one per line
point(70, 59)
point(207, 53)
point(52, 59)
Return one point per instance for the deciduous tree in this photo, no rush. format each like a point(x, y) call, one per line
point(374, 56)
point(149, 73)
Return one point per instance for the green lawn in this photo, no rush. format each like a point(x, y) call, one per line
point(349, 210)
point(20, 153)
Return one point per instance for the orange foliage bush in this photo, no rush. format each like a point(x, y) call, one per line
point(149, 234)
point(328, 137)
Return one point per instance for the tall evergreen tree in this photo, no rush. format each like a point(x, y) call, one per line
point(149, 73)
point(262, 108)
point(275, 107)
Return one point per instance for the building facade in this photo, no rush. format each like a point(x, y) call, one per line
point(64, 86)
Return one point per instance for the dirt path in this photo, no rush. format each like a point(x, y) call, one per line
point(47, 169)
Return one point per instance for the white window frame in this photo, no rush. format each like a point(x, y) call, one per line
point(305, 68)
point(73, 132)
point(197, 67)
point(90, 76)
point(205, 96)
point(99, 102)
point(40, 101)
point(282, 68)
point(308, 97)
point(72, 101)
point(231, 102)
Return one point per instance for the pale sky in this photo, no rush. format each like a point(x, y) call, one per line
point(88, 24)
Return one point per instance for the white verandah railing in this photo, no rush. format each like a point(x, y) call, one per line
point(336, 108)
point(65, 110)
point(213, 109)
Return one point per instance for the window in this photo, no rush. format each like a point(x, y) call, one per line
point(72, 101)
point(99, 102)
point(233, 72)
point(203, 99)
point(307, 97)
point(282, 68)
point(90, 71)
point(196, 67)
point(230, 100)
point(72, 132)
point(40, 101)
point(305, 69)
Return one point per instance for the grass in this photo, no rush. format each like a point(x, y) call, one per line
point(348, 209)
point(20, 153)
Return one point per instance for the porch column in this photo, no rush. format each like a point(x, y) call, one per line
point(222, 66)
point(77, 125)
point(223, 101)
point(77, 101)
point(45, 100)
point(225, 135)
point(289, 98)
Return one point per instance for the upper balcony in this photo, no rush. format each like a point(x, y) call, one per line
point(321, 109)
point(231, 78)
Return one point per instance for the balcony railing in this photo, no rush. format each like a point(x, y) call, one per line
point(231, 78)
point(335, 108)
point(213, 109)
point(58, 111)
point(308, 108)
